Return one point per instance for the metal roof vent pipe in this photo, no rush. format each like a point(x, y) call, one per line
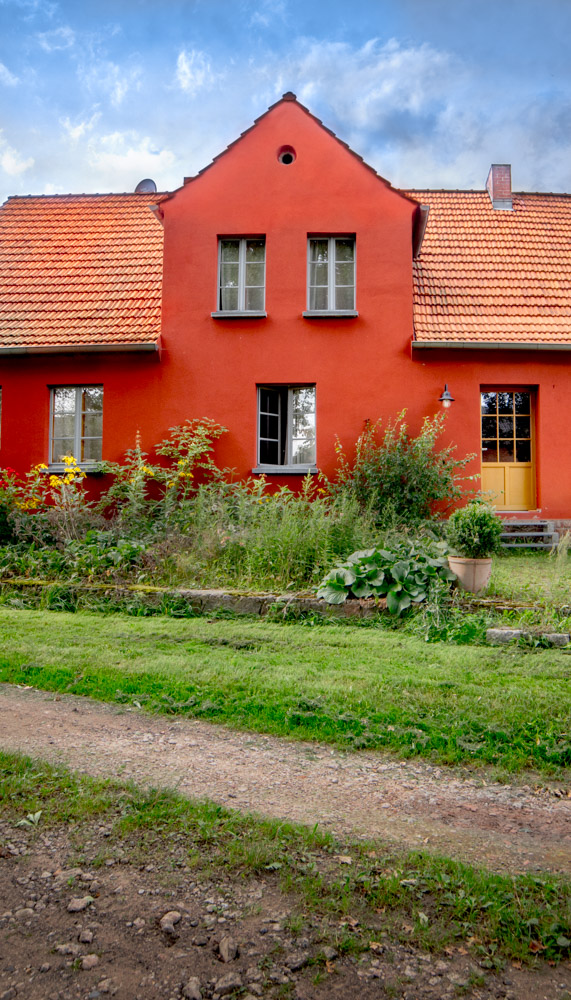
point(499, 186)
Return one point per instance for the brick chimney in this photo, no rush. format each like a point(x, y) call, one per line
point(499, 185)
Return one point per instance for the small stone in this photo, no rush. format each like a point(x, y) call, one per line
point(139, 923)
point(191, 989)
point(228, 949)
point(24, 913)
point(8, 994)
point(200, 941)
point(77, 905)
point(167, 923)
point(104, 986)
point(227, 984)
point(329, 954)
point(89, 961)
point(255, 989)
point(296, 961)
point(45, 967)
point(85, 936)
point(410, 972)
point(67, 949)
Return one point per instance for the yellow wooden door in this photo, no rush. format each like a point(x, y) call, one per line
point(508, 461)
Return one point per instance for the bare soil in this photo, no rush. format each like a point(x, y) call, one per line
point(45, 950)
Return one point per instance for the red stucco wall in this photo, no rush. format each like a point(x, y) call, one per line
point(362, 367)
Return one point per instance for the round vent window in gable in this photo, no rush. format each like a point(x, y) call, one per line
point(286, 155)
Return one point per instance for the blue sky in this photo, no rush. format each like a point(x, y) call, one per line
point(95, 96)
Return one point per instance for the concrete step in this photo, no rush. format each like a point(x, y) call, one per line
point(529, 535)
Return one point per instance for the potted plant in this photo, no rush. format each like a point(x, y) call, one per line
point(473, 533)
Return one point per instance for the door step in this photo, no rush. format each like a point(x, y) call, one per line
point(529, 535)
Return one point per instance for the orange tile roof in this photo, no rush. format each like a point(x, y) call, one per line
point(80, 270)
point(489, 275)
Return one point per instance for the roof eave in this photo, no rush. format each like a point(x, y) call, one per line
point(491, 345)
point(147, 346)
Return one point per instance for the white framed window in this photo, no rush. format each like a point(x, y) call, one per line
point(331, 275)
point(76, 423)
point(286, 428)
point(241, 276)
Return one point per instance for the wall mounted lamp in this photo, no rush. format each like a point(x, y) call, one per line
point(446, 398)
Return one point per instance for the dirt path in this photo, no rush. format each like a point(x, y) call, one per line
point(505, 827)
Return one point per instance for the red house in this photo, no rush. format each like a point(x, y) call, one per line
point(290, 293)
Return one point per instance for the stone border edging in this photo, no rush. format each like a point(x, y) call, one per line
point(204, 601)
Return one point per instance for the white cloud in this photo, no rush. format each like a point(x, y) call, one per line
point(193, 72)
point(268, 11)
point(108, 78)
point(80, 128)
point(7, 77)
point(121, 159)
point(56, 40)
point(11, 161)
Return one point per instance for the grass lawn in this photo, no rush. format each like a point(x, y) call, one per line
point(532, 577)
point(352, 687)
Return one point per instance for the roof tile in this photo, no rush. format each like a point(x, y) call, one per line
point(80, 270)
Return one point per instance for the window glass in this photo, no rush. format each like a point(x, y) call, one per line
point(286, 425)
point(77, 423)
point(331, 276)
point(242, 275)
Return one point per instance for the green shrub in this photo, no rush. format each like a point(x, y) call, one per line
point(405, 573)
point(474, 531)
point(399, 478)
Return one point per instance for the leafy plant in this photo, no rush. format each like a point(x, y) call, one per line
point(474, 531)
point(400, 478)
point(405, 574)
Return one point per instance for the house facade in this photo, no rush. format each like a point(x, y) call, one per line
point(291, 294)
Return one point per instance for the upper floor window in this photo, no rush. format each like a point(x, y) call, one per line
point(242, 275)
point(331, 274)
point(286, 428)
point(76, 425)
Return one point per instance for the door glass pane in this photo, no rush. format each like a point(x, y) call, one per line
point(489, 451)
point(506, 451)
point(505, 427)
point(523, 451)
point(489, 400)
point(505, 402)
point(522, 427)
point(522, 402)
point(489, 427)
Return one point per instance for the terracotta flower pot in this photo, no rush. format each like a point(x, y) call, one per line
point(473, 574)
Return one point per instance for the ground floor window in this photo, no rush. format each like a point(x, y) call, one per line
point(76, 424)
point(286, 426)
